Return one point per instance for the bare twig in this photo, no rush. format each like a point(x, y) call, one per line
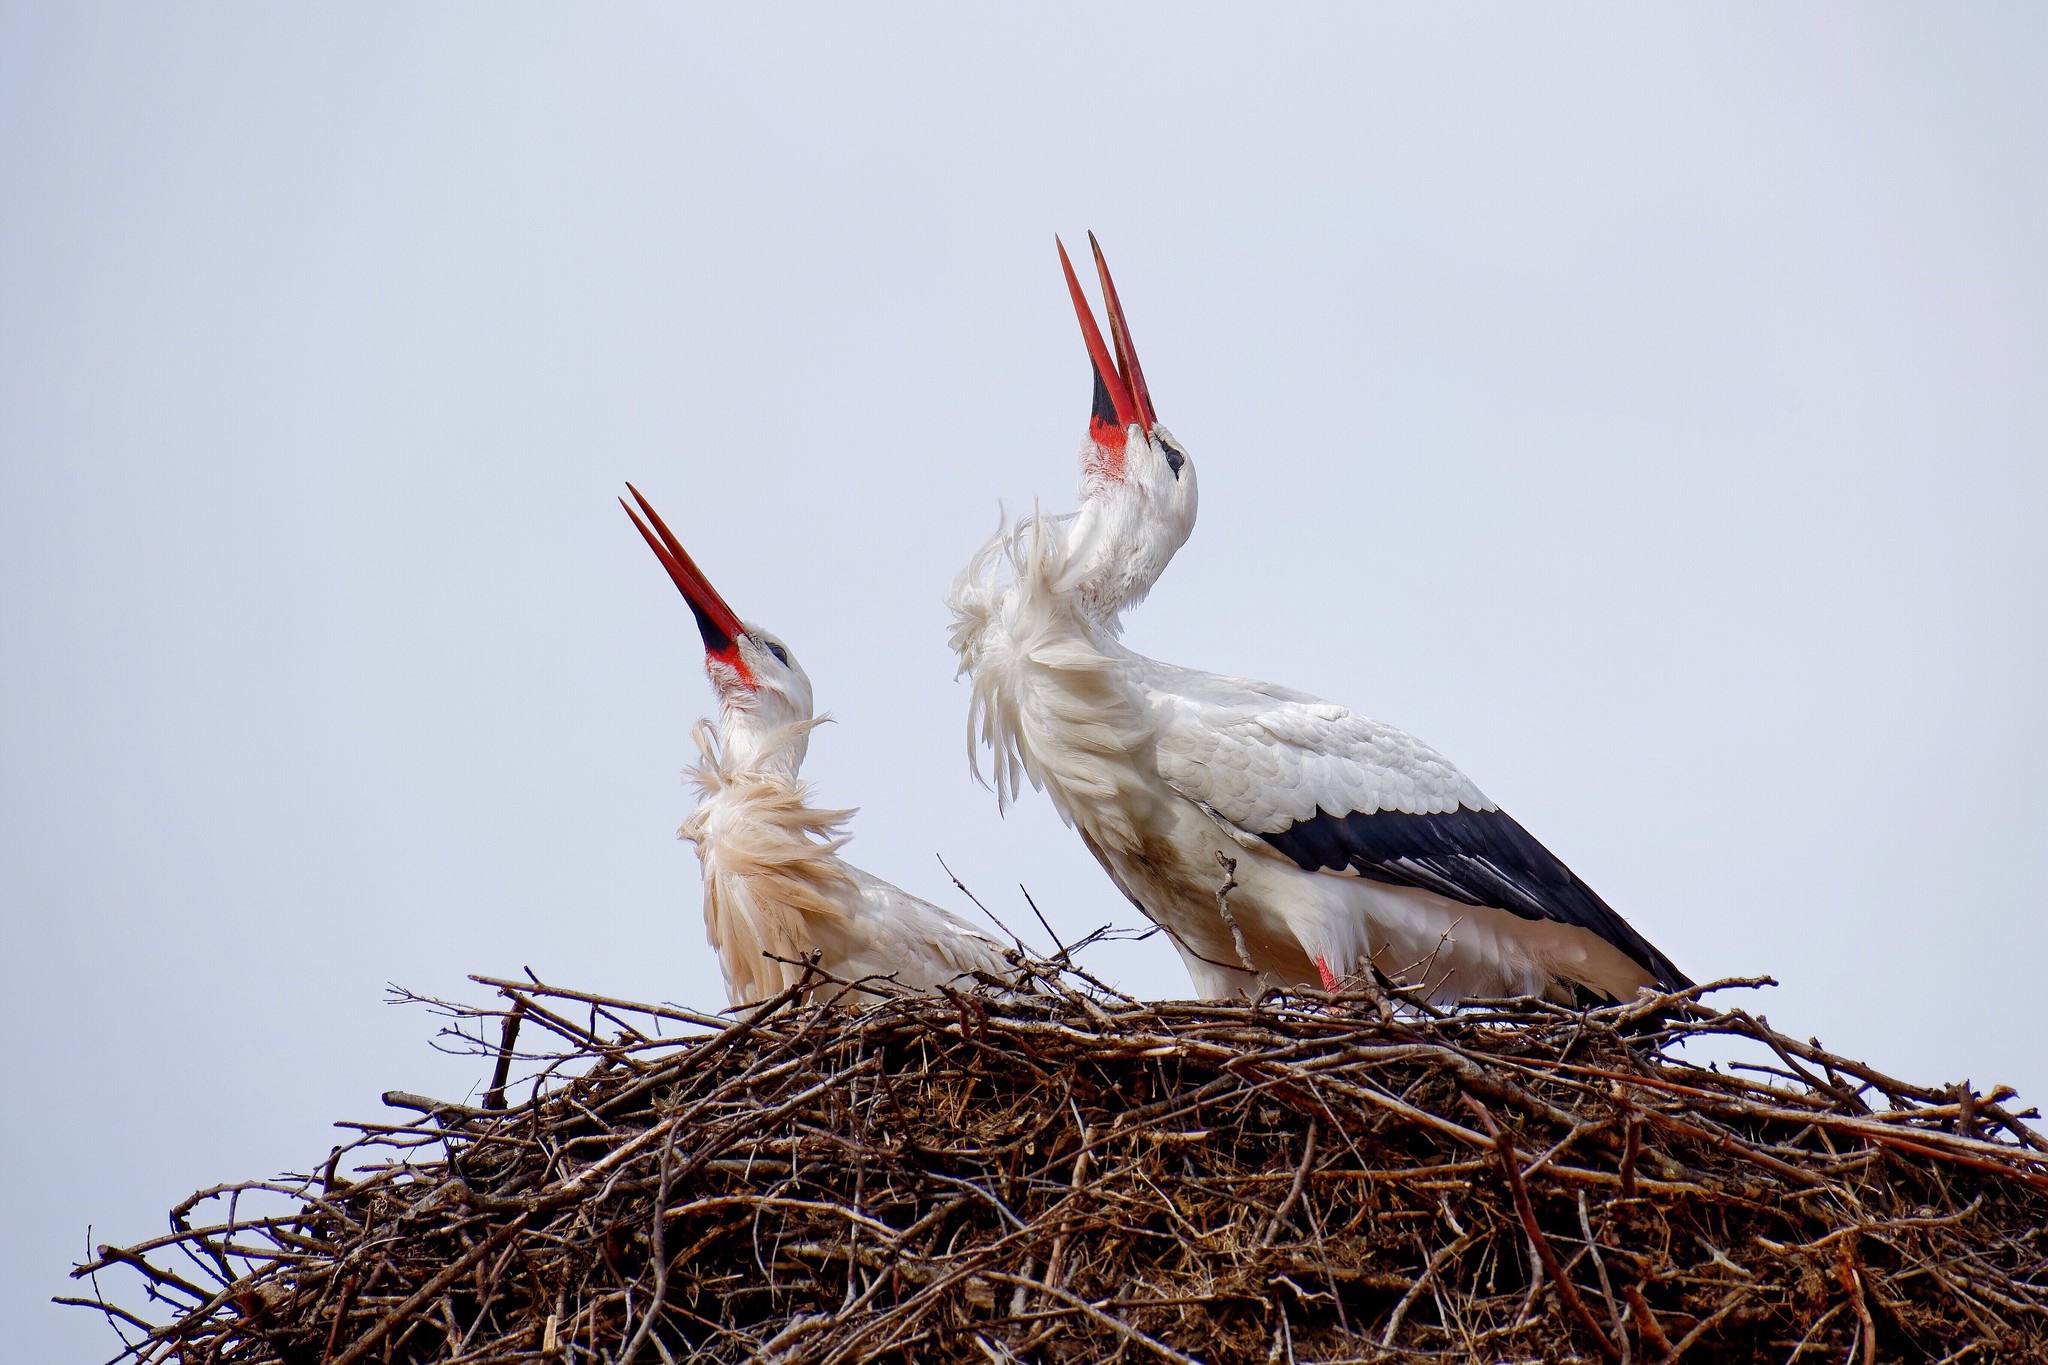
point(494, 1098)
point(1229, 884)
point(1511, 1167)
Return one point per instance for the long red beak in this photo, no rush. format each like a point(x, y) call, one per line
point(1118, 380)
point(1120, 337)
point(716, 622)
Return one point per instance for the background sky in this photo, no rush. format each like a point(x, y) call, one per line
point(1644, 406)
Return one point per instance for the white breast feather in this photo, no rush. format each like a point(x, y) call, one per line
point(776, 887)
point(1051, 708)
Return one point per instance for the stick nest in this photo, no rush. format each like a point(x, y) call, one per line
point(1064, 1174)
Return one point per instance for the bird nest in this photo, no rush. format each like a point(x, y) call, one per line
point(1062, 1173)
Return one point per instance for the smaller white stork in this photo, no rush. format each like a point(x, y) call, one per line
point(776, 891)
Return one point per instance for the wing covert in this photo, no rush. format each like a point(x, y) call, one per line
point(1264, 759)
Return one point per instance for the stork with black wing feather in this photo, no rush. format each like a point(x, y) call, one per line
point(1279, 838)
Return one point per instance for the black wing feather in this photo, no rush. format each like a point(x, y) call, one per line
point(1477, 857)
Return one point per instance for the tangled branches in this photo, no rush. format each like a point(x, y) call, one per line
point(1068, 1175)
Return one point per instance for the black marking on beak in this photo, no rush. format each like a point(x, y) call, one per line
point(1104, 411)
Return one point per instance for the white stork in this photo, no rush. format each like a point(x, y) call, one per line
point(775, 886)
point(1278, 838)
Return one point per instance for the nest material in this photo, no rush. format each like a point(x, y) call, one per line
point(1068, 1175)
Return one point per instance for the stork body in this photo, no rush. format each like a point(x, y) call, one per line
point(776, 891)
point(1340, 841)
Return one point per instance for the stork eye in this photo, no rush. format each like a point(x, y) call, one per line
point(781, 655)
point(1174, 459)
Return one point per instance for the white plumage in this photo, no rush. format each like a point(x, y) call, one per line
point(1347, 840)
point(1264, 757)
point(776, 891)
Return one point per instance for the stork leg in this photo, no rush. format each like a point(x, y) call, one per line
point(1330, 982)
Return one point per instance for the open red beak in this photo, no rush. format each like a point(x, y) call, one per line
point(716, 622)
point(1121, 397)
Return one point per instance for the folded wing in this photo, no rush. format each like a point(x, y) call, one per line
point(1336, 792)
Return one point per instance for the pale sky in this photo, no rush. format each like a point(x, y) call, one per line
point(1645, 406)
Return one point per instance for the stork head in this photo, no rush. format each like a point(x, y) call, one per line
point(761, 688)
point(1138, 495)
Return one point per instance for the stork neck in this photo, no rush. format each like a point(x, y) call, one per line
point(1116, 554)
point(755, 745)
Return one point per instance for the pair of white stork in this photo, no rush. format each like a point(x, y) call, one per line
point(1277, 839)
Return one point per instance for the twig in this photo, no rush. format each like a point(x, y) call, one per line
point(1244, 954)
point(1117, 1325)
point(1511, 1168)
point(1308, 1156)
point(401, 1315)
point(658, 1249)
point(494, 1098)
point(1851, 1280)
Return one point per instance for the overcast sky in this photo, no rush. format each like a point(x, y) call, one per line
point(1643, 405)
